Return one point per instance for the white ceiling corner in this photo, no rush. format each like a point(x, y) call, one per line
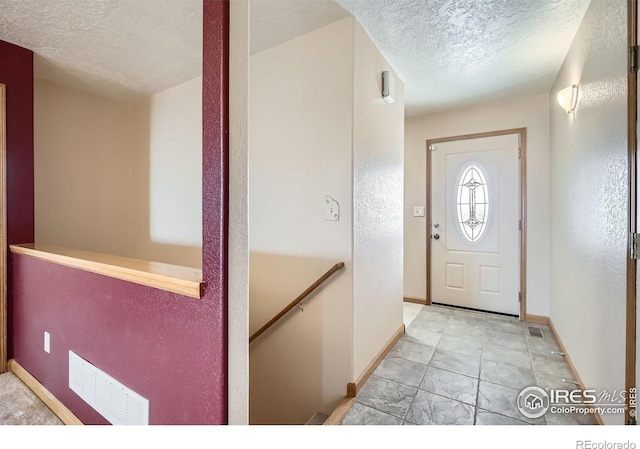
point(273, 22)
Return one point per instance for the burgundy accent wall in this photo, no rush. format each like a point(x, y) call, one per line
point(169, 348)
point(16, 72)
point(215, 182)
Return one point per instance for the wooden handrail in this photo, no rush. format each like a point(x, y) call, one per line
point(297, 301)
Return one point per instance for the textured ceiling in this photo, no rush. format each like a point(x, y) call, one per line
point(455, 52)
point(448, 52)
point(117, 48)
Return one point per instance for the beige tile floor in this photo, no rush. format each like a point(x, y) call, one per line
point(456, 366)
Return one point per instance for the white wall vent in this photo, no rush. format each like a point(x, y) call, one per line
point(117, 403)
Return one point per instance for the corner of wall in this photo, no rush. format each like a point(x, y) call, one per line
point(588, 166)
point(238, 215)
point(378, 172)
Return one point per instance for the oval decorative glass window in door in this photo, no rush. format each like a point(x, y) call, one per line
point(473, 202)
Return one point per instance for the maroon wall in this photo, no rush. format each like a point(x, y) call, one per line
point(215, 181)
point(169, 348)
point(16, 72)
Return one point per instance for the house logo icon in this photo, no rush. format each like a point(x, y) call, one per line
point(533, 402)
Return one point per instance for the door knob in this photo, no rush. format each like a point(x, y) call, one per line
point(436, 236)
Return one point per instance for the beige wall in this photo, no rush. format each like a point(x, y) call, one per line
point(378, 147)
point(300, 134)
point(118, 178)
point(238, 282)
point(589, 201)
point(166, 176)
point(82, 146)
point(530, 112)
point(318, 126)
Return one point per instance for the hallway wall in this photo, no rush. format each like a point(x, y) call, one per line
point(378, 147)
point(318, 127)
point(300, 134)
point(120, 178)
point(531, 112)
point(165, 207)
point(82, 148)
point(589, 204)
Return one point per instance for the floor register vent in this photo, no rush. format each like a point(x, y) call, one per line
point(535, 331)
point(117, 403)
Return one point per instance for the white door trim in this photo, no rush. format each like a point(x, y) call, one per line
point(522, 134)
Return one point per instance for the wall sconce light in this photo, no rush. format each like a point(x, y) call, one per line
point(568, 98)
point(388, 87)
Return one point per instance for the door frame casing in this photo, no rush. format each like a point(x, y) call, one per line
point(522, 136)
point(632, 142)
point(3, 230)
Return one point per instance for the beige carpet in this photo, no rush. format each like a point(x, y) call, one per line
point(20, 406)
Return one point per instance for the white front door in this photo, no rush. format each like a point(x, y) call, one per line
point(475, 216)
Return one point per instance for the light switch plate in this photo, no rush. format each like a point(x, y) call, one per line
point(418, 211)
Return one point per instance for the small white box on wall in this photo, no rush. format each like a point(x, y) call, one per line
point(388, 87)
point(418, 211)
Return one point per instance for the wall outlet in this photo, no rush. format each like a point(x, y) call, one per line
point(47, 342)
